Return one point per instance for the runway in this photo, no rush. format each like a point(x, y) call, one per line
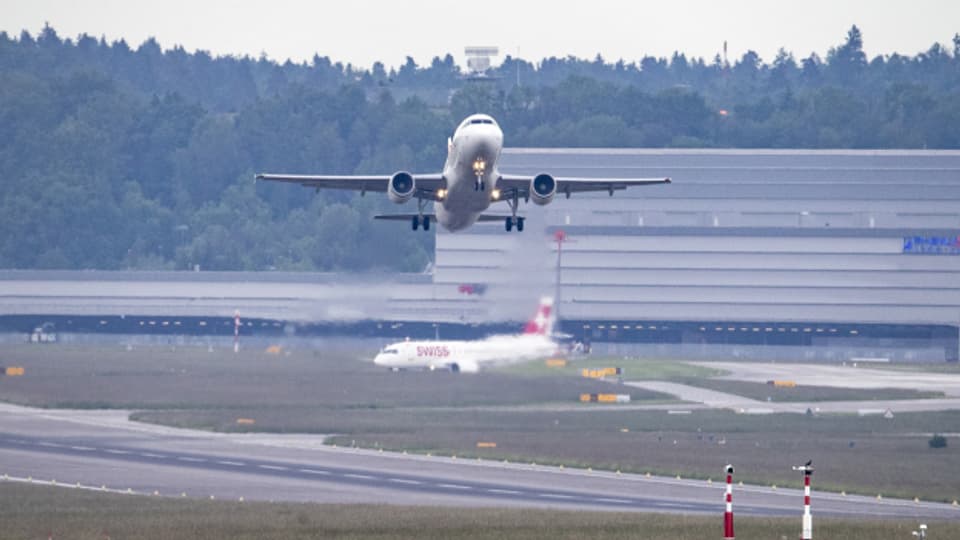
point(102, 449)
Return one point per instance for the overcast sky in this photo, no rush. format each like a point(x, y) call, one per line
point(364, 31)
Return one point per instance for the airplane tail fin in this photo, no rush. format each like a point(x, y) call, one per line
point(542, 321)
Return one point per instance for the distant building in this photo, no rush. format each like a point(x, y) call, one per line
point(847, 253)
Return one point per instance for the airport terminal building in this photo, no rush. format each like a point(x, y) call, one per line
point(817, 254)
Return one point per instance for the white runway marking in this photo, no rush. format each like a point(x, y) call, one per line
point(82, 448)
point(503, 491)
point(191, 459)
point(360, 476)
point(614, 501)
point(118, 452)
point(314, 471)
point(232, 463)
point(273, 467)
point(554, 496)
point(405, 481)
point(155, 456)
point(453, 486)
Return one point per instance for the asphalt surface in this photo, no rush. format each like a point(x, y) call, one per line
point(103, 450)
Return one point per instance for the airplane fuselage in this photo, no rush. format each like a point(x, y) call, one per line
point(465, 356)
point(470, 172)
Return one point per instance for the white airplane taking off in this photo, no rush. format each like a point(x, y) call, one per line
point(468, 356)
point(469, 183)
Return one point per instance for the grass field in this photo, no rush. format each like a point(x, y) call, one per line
point(702, 376)
point(633, 368)
point(193, 378)
point(46, 512)
point(335, 392)
point(769, 392)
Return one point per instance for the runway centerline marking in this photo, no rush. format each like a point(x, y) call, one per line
point(232, 463)
point(113, 451)
point(50, 444)
point(360, 476)
point(82, 448)
point(155, 456)
point(614, 501)
point(453, 486)
point(191, 459)
point(555, 496)
point(273, 467)
point(405, 481)
point(313, 471)
point(503, 491)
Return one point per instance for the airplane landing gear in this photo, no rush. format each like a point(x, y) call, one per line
point(514, 202)
point(420, 219)
point(417, 221)
point(511, 221)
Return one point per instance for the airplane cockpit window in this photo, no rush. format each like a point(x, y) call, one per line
point(480, 121)
point(391, 351)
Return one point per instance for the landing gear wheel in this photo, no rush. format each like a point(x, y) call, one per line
point(415, 222)
point(520, 224)
point(426, 223)
point(509, 224)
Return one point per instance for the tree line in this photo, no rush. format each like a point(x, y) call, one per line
point(117, 157)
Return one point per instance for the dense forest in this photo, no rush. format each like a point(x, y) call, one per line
point(116, 157)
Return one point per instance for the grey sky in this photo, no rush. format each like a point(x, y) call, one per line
point(363, 31)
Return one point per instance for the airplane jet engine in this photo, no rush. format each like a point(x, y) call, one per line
point(542, 189)
point(401, 187)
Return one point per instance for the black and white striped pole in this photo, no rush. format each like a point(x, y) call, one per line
point(807, 470)
point(728, 515)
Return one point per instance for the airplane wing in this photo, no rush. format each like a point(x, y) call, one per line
point(567, 185)
point(427, 184)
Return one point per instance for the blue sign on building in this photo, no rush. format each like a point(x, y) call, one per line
point(932, 245)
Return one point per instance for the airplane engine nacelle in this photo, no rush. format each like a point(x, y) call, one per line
point(542, 189)
point(401, 187)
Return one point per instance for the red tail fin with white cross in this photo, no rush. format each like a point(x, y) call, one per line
point(542, 322)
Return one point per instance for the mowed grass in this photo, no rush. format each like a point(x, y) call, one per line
point(769, 392)
point(47, 512)
point(530, 418)
point(632, 368)
point(870, 455)
point(63, 376)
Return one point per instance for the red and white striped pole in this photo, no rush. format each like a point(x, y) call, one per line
point(807, 470)
point(728, 515)
point(236, 331)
